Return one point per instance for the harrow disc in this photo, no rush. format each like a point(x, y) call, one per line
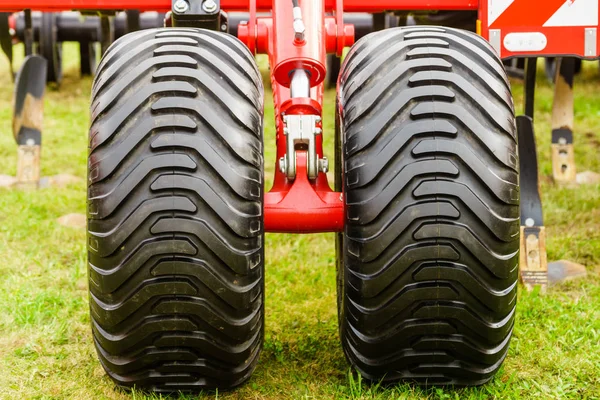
point(87, 56)
point(50, 48)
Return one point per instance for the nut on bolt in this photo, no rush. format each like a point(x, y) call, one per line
point(298, 25)
point(299, 30)
point(282, 164)
point(181, 6)
point(324, 165)
point(209, 6)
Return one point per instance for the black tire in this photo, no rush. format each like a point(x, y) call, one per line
point(50, 48)
point(431, 238)
point(175, 211)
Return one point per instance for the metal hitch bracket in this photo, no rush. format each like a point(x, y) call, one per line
point(301, 132)
point(198, 14)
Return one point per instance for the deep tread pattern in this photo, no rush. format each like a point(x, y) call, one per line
point(430, 179)
point(175, 212)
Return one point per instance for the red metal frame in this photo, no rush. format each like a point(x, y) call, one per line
point(298, 205)
point(237, 5)
point(522, 19)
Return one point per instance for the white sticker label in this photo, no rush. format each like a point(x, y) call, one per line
point(525, 41)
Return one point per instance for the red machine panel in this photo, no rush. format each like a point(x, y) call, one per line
point(231, 5)
point(541, 27)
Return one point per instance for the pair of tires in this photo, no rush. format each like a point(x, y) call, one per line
point(427, 263)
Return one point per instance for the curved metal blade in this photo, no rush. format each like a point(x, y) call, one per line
point(531, 203)
point(28, 111)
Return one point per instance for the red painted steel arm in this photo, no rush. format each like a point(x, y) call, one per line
point(299, 206)
point(241, 5)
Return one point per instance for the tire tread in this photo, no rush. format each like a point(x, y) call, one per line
point(175, 214)
point(431, 241)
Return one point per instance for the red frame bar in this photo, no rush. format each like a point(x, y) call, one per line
point(235, 5)
point(527, 17)
point(299, 205)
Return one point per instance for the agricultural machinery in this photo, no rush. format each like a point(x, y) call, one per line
point(431, 214)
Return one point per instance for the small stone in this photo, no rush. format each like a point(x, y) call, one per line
point(7, 180)
point(82, 284)
point(73, 220)
point(44, 182)
point(588, 178)
point(563, 270)
point(64, 180)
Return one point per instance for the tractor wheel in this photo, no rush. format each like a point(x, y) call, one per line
point(50, 48)
point(431, 240)
point(175, 210)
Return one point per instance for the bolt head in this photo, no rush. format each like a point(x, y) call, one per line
point(282, 165)
point(529, 222)
point(181, 6)
point(324, 165)
point(209, 6)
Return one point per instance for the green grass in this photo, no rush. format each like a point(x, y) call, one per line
point(46, 349)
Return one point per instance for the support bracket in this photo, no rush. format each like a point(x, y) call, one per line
point(534, 265)
point(301, 134)
point(198, 14)
point(563, 155)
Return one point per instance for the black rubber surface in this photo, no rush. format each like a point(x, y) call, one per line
point(50, 48)
point(333, 70)
point(430, 248)
point(175, 210)
point(87, 59)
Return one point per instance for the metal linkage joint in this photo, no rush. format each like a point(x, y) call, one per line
point(301, 132)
